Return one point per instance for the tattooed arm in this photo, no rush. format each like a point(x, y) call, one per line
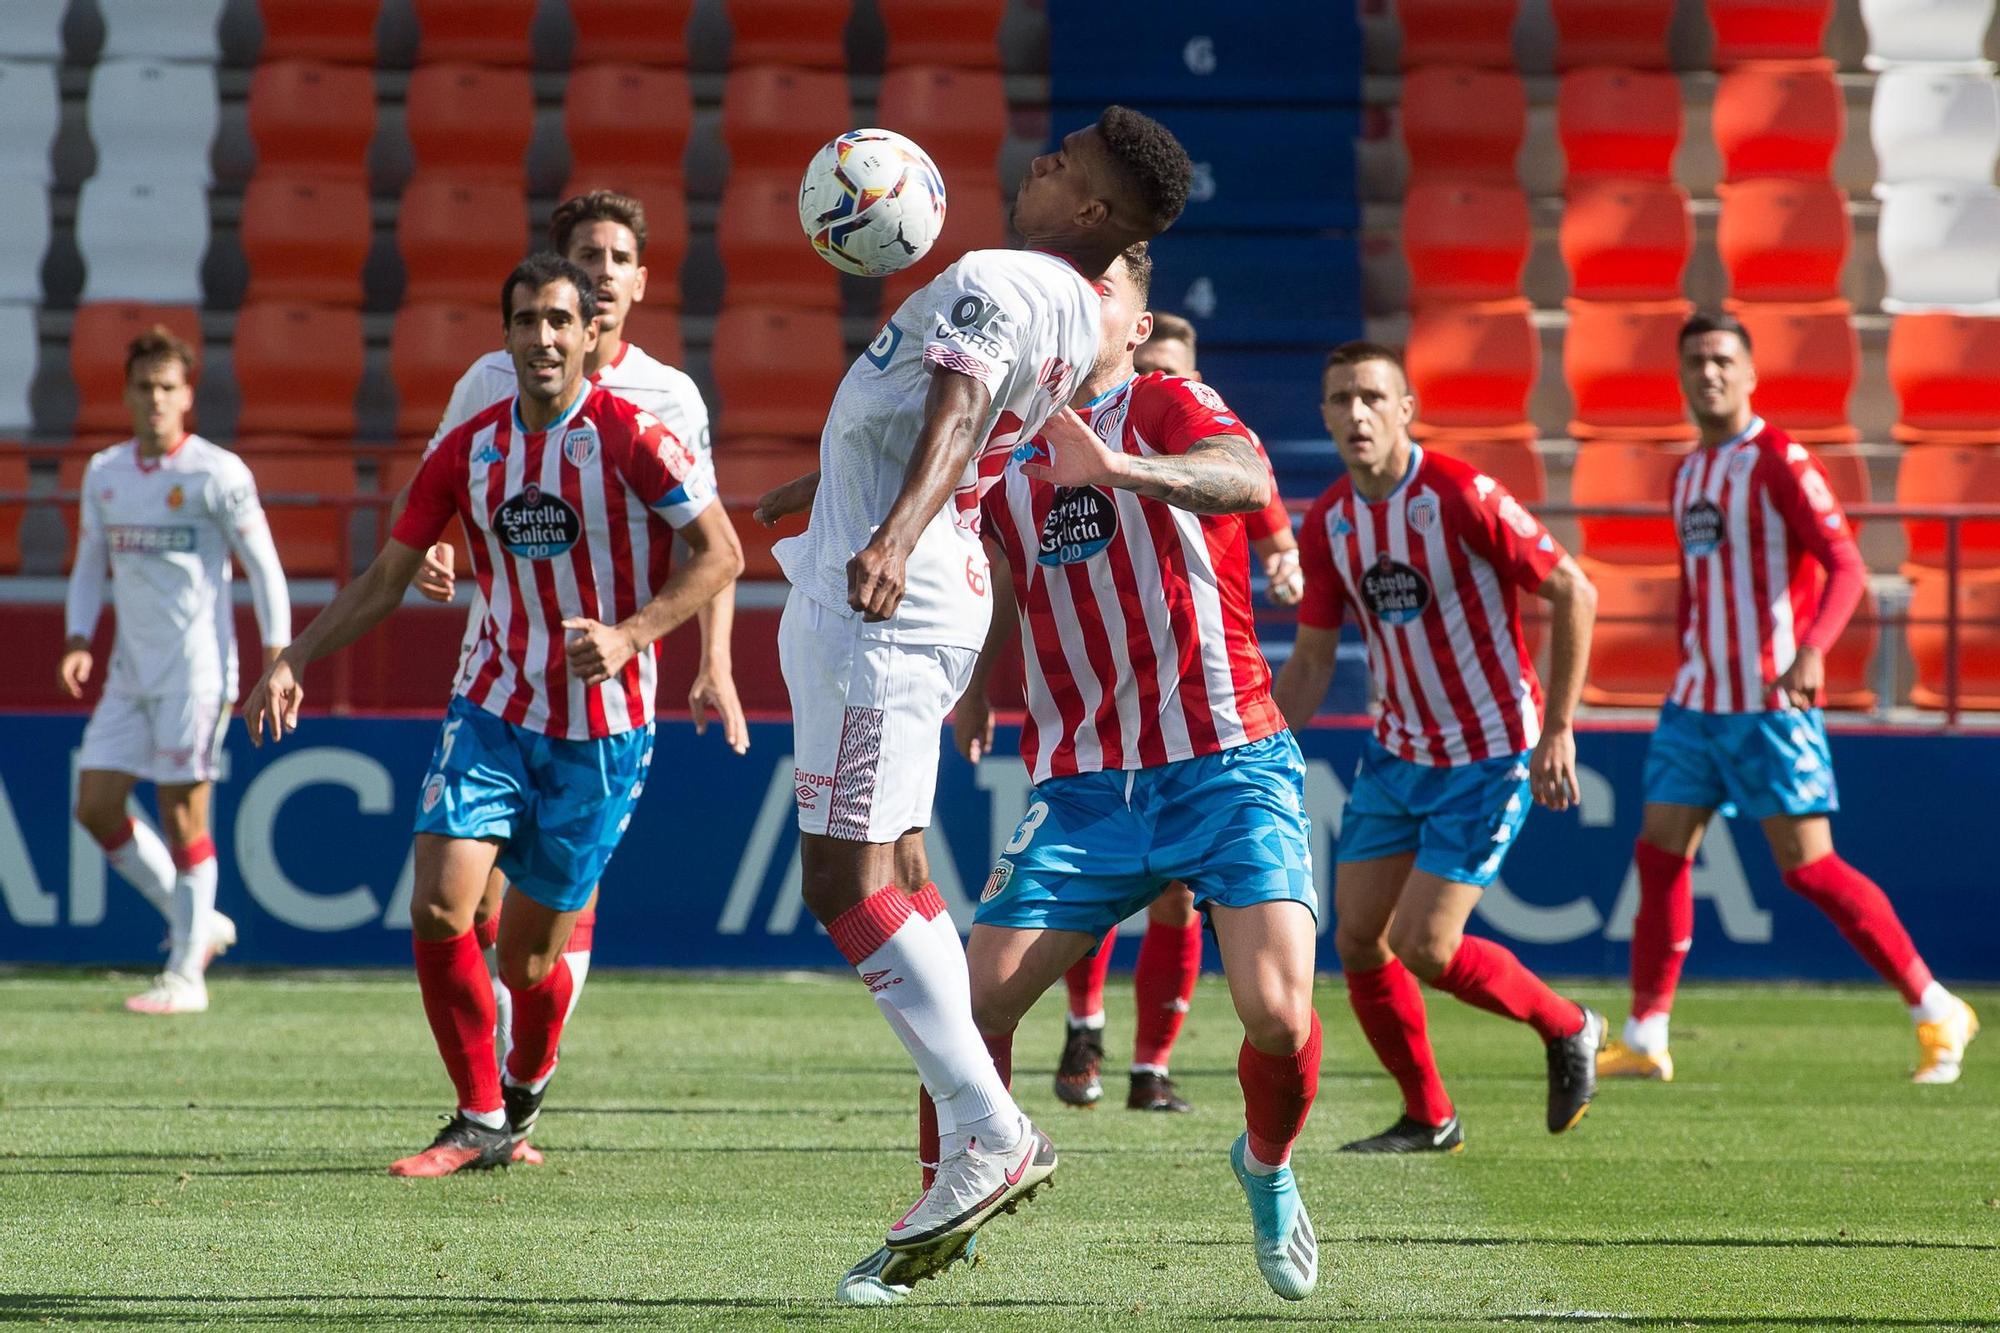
point(1219, 474)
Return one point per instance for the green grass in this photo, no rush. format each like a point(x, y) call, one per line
point(720, 1149)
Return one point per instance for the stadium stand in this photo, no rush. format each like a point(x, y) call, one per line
point(457, 235)
point(1782, 239)
point(1619, 123)
point(20, 354)
point(647, 32)
point(810, 34)
point(99, 336)
point(1472, 366)
point(1940, 31)
point(1940, 245)
point(627, 121)
point(24, 239)
point(1778, 119)
point(1515, 464)
point(1978, 639)
point(1307, 54)
point(1948, 474)
point(153, 119)
point(470, 122)
point(1629, 34)
point(1620, 360)
point(1464, 241)
point(1934, 122)
point(14, 478)
point(305, 238)
point(337, 31)
point(149, 30)
point(1631, 662)
point(775, 370)
point(479, 32)
point(1626, 239)
point(1945, 369)
point(1463, 124)
point(1767, 29)
point(310, 536)
point(777, 118)
point(963, 34)
point(763, 262)
point(31, 108)
point(958, 115)
point(312, 118)
point(431, 346)
point(142, 240)
point(34, 29)
point(1808, 357)
point(298, 368)
point(1626, 472)
point(1479, 33)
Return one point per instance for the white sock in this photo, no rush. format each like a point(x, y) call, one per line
point(1259, 1168)
point(503, 1008)
point(193, 907)
point(1095, 1022)
point(1934, 1006)
point(1648, 1035)
point(1161, 1070)
point(579, 968)
point(146, 864)
point(489, 1119)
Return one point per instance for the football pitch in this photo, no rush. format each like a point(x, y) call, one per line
point(720, 1148)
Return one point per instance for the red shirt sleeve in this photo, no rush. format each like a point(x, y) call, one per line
point(1798, 488)
point(1322, 603)
point(1273, 518)
point(434, 493)
point(1174, 414)
point(662, 469)
point(1502, 532)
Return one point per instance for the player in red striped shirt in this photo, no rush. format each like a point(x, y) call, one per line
point(570, 496)
point(1741, 729)
point(1428, 554)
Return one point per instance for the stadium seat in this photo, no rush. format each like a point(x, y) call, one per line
point(1478, 33)
point(1778, 119)
point(1464, 241)
point(1783, 240)
point(1807, 359)
point(31, 109)
point(764, 258)
point(1846, 469)
point(745, 468)
point(1226, 287)
point(430, 347)
point(630, 121)
point(808, 33)
point(459, 238)
point(1473, 365)
point(1626, 240)
point(1516, 464)
point(472, 122)
point(24, 239)
point(1940, 246)
point(1633, 653)
point(1934, 122)
point(1621, 362)
point(1622, 123)
point(153, 30)
point(776, 370)
point(338, 31)
point(308, 536)
point(646, 32)
point(1940, 31)
point(1849, 661)
point(142, 240)
point(392, 473)
point(481, 32)
point(20, 352)
point(778, 118)
point(665, 200)
point(966, 227)
point(1463, 124)
point(1951, 475)
point(1192, 52)
point(13, 480)
point(297, 369)
point(1627, 33)
point(657, 328)
point(1945, 369)
point(153, 118)
point(34, 29)
point(312, 119)
point(306, 239)
point(964, 34)
point(98, 338)
point(1626, 472)
point(1978, 639)
point(1767, 29)
point(958, 115)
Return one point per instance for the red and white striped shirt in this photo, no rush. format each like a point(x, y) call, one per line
point(1136, 623)
point(1748, 512)
point(1430, 574)
point(571, 521)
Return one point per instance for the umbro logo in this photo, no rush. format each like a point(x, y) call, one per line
point(881, 980)
point(806, 796)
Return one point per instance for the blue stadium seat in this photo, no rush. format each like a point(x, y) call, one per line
point(1277, 391)
point(1278, 289)
point(1194, 51)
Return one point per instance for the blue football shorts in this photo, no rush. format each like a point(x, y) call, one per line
point(1460, 821)
point(1756, 764)
point(557, 807)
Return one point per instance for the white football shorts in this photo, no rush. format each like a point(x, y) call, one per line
point(174, 739)
point(867, 715)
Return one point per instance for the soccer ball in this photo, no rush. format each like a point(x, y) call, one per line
point(871, 202)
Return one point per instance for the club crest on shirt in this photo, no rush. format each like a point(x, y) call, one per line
point(1081, 522)
point(580, 446)
point(536, 525)
point(1394, 591)
point(176, 497)
point(1701, 528)
point(433, 792)
point(1422, 513)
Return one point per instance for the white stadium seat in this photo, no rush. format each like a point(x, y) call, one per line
point(161, 29)
point(1950, 30)
point(1940, 246)
point(34, 29)
point(1935, 122)
point(24, 238)
point(142, 240)
point(31, 109)
point(20, 347)
point(154, 119)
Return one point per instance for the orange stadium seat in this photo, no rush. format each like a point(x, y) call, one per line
point(1633, 653)
point(968, 225)
point(342, 31)
point(1464, 124)
point(1627, 33)
point(1945, 369)
point(964, 34)
point(778, 118)
point(1951, 475)
point(808, 33)
point(1457, 32)
point(1516, 464)
point(13, 479)
point(1464, 241)
point(958, 115)
point(484, 32)
point(1621, 362)
point(312, 119)
point(1846, 469)
point(1472, 365)
point(1783, 240)
point(97, 341)
point(306, 239)
point(1779, 119)
point(308, 537)
point(471, 121)
point(298, 368)
point(776, 370)
point(1626, 472)
point(763, 261)
point(649, 32)
point(392, 473)
point(429, 348)
point(1978, 639)
point(1767, 29)
point(1624, 123)
point(657, 328)
point(628, 121)
point(459, 238)
point(1626, 240)
point(1807, 359)
point(665, 200)
point(744, 470)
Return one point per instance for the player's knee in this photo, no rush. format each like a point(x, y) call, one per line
point(1360, 953)
point(101, 819)
point(526, 973)
point(434, 920)
point(1279, 1024)
point(1425, 952)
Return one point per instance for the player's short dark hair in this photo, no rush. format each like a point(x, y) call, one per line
point(1138, 258)
point(596, 206)
point(540, 269)
point(1703, 322)
point(160, 343)
point(1151, 164)
point(1171, 328)
point(1358, 350)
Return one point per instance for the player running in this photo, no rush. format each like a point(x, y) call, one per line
point(163, 513)
point(1426, 554)
point(1741, 729)
point(570, 495)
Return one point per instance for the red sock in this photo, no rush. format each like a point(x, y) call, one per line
point(1163, 985)
point(458, 1000)
point(1488, 977)
point(1391, 1010)
point(1857, 905)
point(1278, 1091)
point(1086, 979)
point(580, 934)
point(539, 1012)
point(487, 932)
point(1002, 1050)
point(1663, 929)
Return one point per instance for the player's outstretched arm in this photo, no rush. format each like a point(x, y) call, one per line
point(972, 717)
point(1572, 612)
point(1303, 679)
point(954, 409)
point(597, 652)
point(1219, 474)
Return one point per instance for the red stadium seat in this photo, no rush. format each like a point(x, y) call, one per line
point(1464, 124)
point(14, 479)
point(97, 342)
point(776, 370)
point(810, 33)
point(665, 200)
point(1978, 639)
point(1945, 369)
point(308, 537)
point(1626, 472)
point(484, 32)
point(1515, 463)
point(967, 226)
point(628, 121)
point(964, 34)
point(459, 238)
point(1807, 359)
point(392, 473)
point(1473, 365)
point(778, 118)
point(306, 239)
point(298, 368)
point(342, 31)
point(1623, 123)
point(657, 328)
point(764, 258)
point(1846, 469)
point(1457, 32)
point(1626, 240)
point(958, 115)
point(1621, 361)
point(430, 347)
point(1783, 240)
point(1779, 119)
point(648, 32)
point(1767, 29)
point(745, 469)
point(1464, 241)
point(1633, 653)
point(312, 119)
point(1627, 33)
point(472, 122)
point(1951, 475)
